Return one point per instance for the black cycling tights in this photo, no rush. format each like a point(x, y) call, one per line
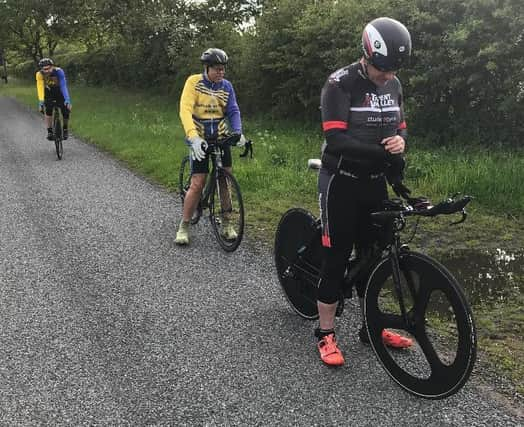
point(345, 205)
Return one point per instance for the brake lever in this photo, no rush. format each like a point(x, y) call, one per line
point(248, 147)
point(461, 220)
point(467, 199)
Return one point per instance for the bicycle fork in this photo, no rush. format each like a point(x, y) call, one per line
point(397, 280)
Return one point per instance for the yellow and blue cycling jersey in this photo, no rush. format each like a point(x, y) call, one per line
point(52, 85)
point(208, 109)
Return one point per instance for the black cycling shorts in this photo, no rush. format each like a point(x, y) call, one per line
point(50, 97)
point(202, 166)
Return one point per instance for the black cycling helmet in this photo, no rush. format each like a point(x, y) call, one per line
point(45, 62)
point(214, 56)
point(386, 44)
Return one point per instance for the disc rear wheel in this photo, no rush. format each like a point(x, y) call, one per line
point(298, 259)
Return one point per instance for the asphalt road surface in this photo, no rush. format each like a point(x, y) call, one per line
point(105, 321)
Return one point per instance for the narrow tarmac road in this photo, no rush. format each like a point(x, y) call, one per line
point(104, 321)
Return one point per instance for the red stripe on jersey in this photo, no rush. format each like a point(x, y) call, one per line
point(403, 125)
point(326, 241)
point(334, 125)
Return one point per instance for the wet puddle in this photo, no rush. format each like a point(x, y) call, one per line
point(487, 277)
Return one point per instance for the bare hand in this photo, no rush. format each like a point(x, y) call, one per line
point(394, 144)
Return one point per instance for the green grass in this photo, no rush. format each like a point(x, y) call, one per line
point(144, 131)
point(492, 176)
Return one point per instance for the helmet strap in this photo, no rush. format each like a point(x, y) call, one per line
point(365, 63)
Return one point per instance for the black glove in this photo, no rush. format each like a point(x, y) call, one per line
point(401, 190)
point(395, 175)
point(395, 165)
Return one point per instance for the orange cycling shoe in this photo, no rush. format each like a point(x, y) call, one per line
point(391, 339)
point(329, 351)
point(394, 340)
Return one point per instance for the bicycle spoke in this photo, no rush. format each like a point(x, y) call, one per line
point(429, 352)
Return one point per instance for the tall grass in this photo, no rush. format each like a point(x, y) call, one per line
point(494, 177)
point(145, 132)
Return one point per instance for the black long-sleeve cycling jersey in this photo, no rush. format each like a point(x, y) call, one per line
point(357, 115)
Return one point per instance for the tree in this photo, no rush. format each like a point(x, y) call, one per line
point(36, 27)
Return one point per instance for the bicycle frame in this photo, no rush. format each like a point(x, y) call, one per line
point(212, 178)
point(389, 247)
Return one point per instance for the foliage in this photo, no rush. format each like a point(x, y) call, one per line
point(467, 76)
point(465, 81)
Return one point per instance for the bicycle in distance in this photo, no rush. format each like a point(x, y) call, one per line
point(406, 291)
point(221, 195)
point(57, 124)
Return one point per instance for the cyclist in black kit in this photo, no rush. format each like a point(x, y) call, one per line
point(365, 132)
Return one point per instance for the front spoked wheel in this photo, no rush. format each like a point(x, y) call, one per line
point(298, 259)
point(439, 320)
point(184, 181)
point(226, 211)
point(57, 127)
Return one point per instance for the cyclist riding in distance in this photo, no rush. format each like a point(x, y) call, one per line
point(51, 86)
point(208, 110)
point(365, 136)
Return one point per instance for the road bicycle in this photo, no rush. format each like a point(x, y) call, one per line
point(221, 194)
point(405, 291)
point(57, 130)
point(57, 125)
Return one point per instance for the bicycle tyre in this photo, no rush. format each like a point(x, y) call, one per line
point(232, 212)
point(184, 181)
point(429, 278)
point(297, 259)
point(57, 128)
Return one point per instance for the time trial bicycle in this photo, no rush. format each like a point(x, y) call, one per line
point(406, 291)
point(221, 195)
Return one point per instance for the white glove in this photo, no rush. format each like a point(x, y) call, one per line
point(198, 148)
point(242, 141)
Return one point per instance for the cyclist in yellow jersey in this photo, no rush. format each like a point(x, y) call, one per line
point(51, 86)
point(208, 110)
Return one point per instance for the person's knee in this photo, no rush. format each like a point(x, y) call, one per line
point(197, 183)
point(332, 274)
point(328, 291)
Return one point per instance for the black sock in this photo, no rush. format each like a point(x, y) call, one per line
point(321, 333)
